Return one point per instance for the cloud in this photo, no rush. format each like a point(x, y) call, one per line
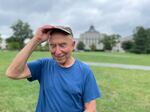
point(108, 16)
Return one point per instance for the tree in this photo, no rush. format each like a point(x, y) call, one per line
point(43, 47)
point(13, 45)
point(0, 41)
point(93, 47)
point(140, 40)
point(80, 45)
point(109, 41)
point(127, 45)
point(21, 31)
point(148, 41)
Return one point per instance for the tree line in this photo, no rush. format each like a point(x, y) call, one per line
point(139, 44)
point(21, 32)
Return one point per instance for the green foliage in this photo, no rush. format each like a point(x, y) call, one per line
point(0, 41)
point(109, 41)
point(141, 40)
point(21, 31)
point(45, 47)
point(80, 45)
point(93, 47)
point(148, 41)
point(42, 47)
point(127, 45)
point(13, 45)
point(0, 38)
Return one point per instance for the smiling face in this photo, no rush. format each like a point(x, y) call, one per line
point(61, 47)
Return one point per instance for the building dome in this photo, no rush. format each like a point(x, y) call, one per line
point(90, 37)
point(92, 30)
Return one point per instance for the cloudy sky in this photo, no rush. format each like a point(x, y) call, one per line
point(108, 16)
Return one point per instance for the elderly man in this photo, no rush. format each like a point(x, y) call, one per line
point(66, 84)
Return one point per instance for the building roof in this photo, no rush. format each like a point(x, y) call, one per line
point(91, 34)
point(92, 30)
point(128, 38)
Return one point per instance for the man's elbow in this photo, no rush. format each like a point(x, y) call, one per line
point(10, 74)
point(93, 110)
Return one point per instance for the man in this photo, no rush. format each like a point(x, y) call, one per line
point(66, 84)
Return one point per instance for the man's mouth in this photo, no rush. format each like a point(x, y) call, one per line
point(60, 57)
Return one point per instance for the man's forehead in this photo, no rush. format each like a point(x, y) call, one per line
point(59, 43)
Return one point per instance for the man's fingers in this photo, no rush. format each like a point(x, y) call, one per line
point(46, 28)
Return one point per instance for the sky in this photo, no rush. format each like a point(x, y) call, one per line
point(108, 16)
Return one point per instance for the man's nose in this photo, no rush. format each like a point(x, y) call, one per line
point(58, 51)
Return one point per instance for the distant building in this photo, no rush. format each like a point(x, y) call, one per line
point(128, 38)
point(118, 47)
point(3, 44)
point(91, 37)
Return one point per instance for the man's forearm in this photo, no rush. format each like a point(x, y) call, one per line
point(19, 62)
point(90, 110)
point(90, 106)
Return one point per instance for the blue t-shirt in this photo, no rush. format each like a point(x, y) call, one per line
point(63, 89)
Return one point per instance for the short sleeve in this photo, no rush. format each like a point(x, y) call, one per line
point(91, 90)
point(35, 69)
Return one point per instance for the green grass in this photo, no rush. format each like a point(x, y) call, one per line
point(120, 58)
point(122, 90)
point(102, 57)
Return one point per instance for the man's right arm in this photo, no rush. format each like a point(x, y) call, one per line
point(18, 69)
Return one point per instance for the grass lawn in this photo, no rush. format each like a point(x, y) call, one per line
point(122, 90)
point(120, 58)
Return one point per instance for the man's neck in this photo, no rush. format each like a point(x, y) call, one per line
point(69, 63)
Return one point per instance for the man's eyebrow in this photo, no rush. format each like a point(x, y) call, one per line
point(51, 44)
point(63, 43)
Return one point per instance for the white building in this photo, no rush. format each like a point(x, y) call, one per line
point(94, 37)
point(91, 37)
point(118, 47)
point(3, 44)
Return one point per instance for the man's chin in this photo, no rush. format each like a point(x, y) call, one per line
point(61, 62)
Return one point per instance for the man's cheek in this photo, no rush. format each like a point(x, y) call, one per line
point(65, 50)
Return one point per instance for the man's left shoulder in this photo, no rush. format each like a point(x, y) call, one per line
point(83, 64)
point(84, 67)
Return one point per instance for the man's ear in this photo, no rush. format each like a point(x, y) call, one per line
point(73, 43)
point(49, 38)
